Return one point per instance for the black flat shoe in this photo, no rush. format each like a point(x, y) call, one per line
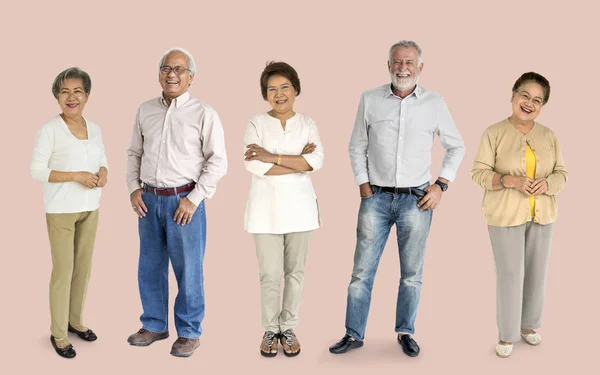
point(67, 352)
point(88, 335)
point(345, 344)
point(409, 346)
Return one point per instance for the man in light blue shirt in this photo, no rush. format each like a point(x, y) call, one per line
point(390, 153)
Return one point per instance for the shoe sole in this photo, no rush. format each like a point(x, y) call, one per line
point(183, 355)
point(356, 346)
point(529, 343)
point(146, 343)
point(291, 354)
point(268, 355)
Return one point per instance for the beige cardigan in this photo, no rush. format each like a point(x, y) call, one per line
point(502, 150)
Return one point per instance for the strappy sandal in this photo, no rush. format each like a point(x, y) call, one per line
point(290, 343)
point(269, 342)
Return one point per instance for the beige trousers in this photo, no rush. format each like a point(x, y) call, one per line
point(72, 239)
point(281, 255)
point(521, 255)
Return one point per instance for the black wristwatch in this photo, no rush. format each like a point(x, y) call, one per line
point(441, 184)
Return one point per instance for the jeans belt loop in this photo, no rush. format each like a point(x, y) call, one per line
point(409, 191)
point(175, 190)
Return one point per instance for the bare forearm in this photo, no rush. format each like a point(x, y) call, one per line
point(56, 176)
point(278, 170)
point(296, 162)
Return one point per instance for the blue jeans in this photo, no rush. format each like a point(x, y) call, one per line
point(376, 216)
point(161, 240)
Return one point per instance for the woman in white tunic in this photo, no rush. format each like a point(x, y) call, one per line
point(282, 147)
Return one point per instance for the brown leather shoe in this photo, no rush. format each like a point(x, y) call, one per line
point(143, 337)
point(184, 347)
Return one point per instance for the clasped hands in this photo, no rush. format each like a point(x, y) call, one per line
point(91, 180)
point(526, 185)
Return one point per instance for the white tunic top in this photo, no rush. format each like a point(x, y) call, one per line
point(56, 148)
point(286, 203)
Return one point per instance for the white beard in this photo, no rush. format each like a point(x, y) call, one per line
point(403, 83)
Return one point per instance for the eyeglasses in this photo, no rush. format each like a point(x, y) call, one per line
point(66, 94)
point(179, 70)
point(284, 88)
point(536, 101)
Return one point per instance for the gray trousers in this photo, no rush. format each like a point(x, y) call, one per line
point(521, 255)
point(281, 256)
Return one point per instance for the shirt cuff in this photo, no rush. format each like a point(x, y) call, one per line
point(315, 161)
point(448, 174)
point(195, 197)
point(133, 186)
point(361, 178)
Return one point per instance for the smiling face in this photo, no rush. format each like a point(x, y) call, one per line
point(281, 94)
point(174, 84)
point(71, 97)
point(527, 102)
point(404, 68)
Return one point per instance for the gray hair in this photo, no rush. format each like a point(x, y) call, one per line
point(73, 72)
point(190, 59)
point(407, 43)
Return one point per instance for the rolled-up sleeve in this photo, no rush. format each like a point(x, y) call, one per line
point(314, 159)
point(359, 144)
point(213, 149)
point(483, 172)
point(103, 158)
point(558, 178)
point(451, 141)
point(256, 167)
point(134, 156)
point(42, 151)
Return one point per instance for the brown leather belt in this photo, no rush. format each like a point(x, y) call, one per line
point(169, 191)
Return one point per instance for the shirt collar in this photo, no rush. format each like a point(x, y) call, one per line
point(417, 91)
point(179, 101)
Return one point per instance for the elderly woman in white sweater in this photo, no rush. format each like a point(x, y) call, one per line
point(69, 158)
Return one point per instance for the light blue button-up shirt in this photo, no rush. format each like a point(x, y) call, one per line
point(392, 138)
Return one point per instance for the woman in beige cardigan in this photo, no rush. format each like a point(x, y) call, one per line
point(520, 166)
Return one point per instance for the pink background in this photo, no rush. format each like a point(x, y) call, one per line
point(473, 54)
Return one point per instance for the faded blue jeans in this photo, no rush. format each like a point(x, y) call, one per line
point(161, 240)
point(376, 216)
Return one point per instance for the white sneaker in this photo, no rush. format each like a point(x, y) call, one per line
point(532, 338)
point(503, 350)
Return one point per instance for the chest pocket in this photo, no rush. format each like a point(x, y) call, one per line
point(381, 131)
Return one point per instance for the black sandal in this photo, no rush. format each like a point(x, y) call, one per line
point(88, 335)
point(66, 352)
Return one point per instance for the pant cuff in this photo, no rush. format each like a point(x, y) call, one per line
point(151, 329)
point(355, 335)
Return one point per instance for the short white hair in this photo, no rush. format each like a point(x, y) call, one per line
point(406, 43)
point(190, 59)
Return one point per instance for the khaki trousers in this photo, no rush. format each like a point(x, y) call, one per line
point(72, 239)
point(281, 255)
